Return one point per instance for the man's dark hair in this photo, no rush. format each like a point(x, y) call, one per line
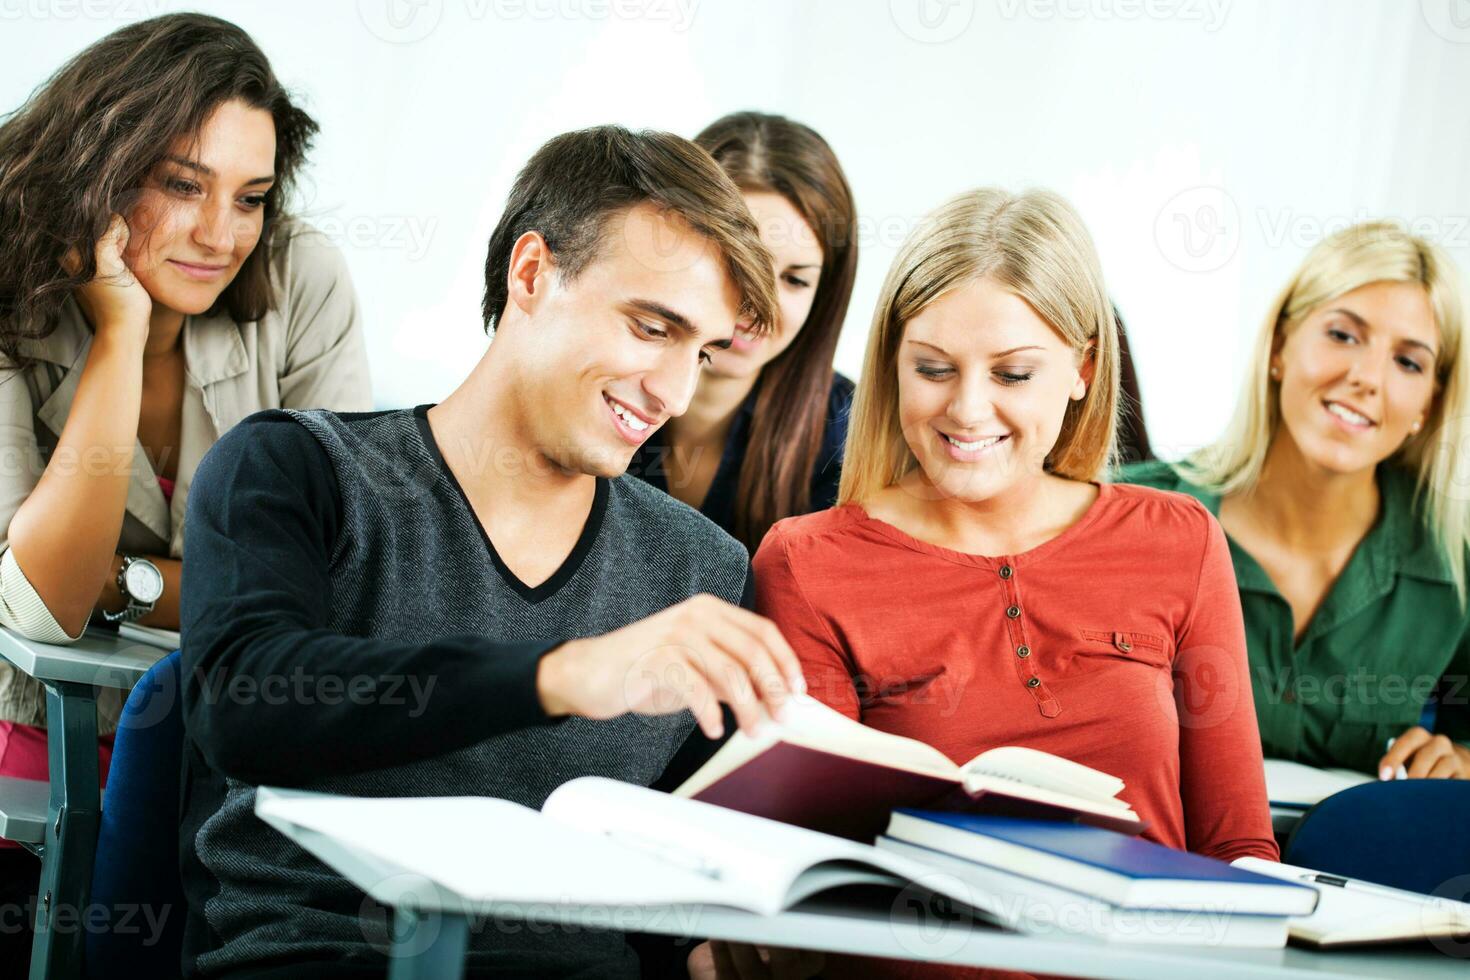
point(578, 181)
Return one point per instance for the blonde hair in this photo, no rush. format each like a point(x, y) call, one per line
point(1035, 245)
point(1377, 251)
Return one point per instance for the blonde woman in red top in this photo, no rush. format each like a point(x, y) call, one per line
point(977, 586)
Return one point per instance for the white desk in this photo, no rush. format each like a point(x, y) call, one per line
point(58, 820)
point(432, 927)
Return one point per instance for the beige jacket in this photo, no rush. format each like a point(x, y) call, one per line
point(308, 352)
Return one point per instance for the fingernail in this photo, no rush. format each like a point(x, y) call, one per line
point(1385, 773)
point(1402, 773)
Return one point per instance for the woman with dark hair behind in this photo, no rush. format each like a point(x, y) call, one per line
point(763, 436)
point(1133, 444)
point(152, 294)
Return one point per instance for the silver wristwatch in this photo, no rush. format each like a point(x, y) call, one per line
point(141, 584)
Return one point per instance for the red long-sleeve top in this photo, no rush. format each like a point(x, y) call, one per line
point(1118, 644)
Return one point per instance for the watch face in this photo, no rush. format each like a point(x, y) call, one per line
point(144, 581)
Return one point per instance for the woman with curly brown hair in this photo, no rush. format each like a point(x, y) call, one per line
point(152, 294)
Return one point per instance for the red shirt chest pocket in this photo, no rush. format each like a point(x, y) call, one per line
point(1096, 647)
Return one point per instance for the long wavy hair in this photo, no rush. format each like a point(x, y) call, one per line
point(1375, 251)
point(77, 152)
point(1035, 245)
point(763, 152)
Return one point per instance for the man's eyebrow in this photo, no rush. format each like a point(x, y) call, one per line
point(198, 167)
point(1367, 326)
point(659, 311)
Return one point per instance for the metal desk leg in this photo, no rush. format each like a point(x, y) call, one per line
point(428, 945)
point(71, 830)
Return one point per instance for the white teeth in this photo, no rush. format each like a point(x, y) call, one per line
point(633, 421)
point(970, 447)
point(1348, 415)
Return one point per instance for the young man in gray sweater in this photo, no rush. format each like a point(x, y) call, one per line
point(470, 598)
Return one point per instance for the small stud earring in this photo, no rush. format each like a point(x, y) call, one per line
point(1275, 373)
point(1417, 426)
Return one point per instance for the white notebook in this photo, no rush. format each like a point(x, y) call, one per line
point(596, 842)
point(1298, 787)
point(1351, 912)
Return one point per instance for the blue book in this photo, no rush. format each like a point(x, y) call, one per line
point(1119, 869)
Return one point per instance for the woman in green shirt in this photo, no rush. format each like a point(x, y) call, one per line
point(1337, 485)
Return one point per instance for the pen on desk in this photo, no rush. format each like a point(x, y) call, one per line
point(1368, 888)
point(1401, 772)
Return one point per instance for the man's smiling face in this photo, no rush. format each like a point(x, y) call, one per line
point(616, 352)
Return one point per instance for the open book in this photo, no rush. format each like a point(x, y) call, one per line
point(595, 842)
point(821, 770)
point(1351, 912)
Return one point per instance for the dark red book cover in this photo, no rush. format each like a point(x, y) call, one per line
point(852, 798)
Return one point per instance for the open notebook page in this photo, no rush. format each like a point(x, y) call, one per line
point(522, 857)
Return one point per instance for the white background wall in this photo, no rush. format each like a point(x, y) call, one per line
point(1208, 143)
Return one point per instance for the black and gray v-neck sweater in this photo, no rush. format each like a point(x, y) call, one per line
point(348, 627)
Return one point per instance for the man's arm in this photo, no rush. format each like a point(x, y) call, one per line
point(258, 653)
point(263, 520)
point(663, 957)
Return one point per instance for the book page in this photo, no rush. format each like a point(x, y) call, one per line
point(770, 864)
point(810, 723)
point(524, 856)
point(1046, 771)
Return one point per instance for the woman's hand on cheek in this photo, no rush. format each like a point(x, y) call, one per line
point(114, 300)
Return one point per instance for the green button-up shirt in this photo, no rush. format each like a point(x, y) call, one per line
point(1389, 635)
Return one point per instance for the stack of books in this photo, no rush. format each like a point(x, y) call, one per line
point(769, 825)
point(1066, 877)
point(601, 843)
point(1044, 844)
